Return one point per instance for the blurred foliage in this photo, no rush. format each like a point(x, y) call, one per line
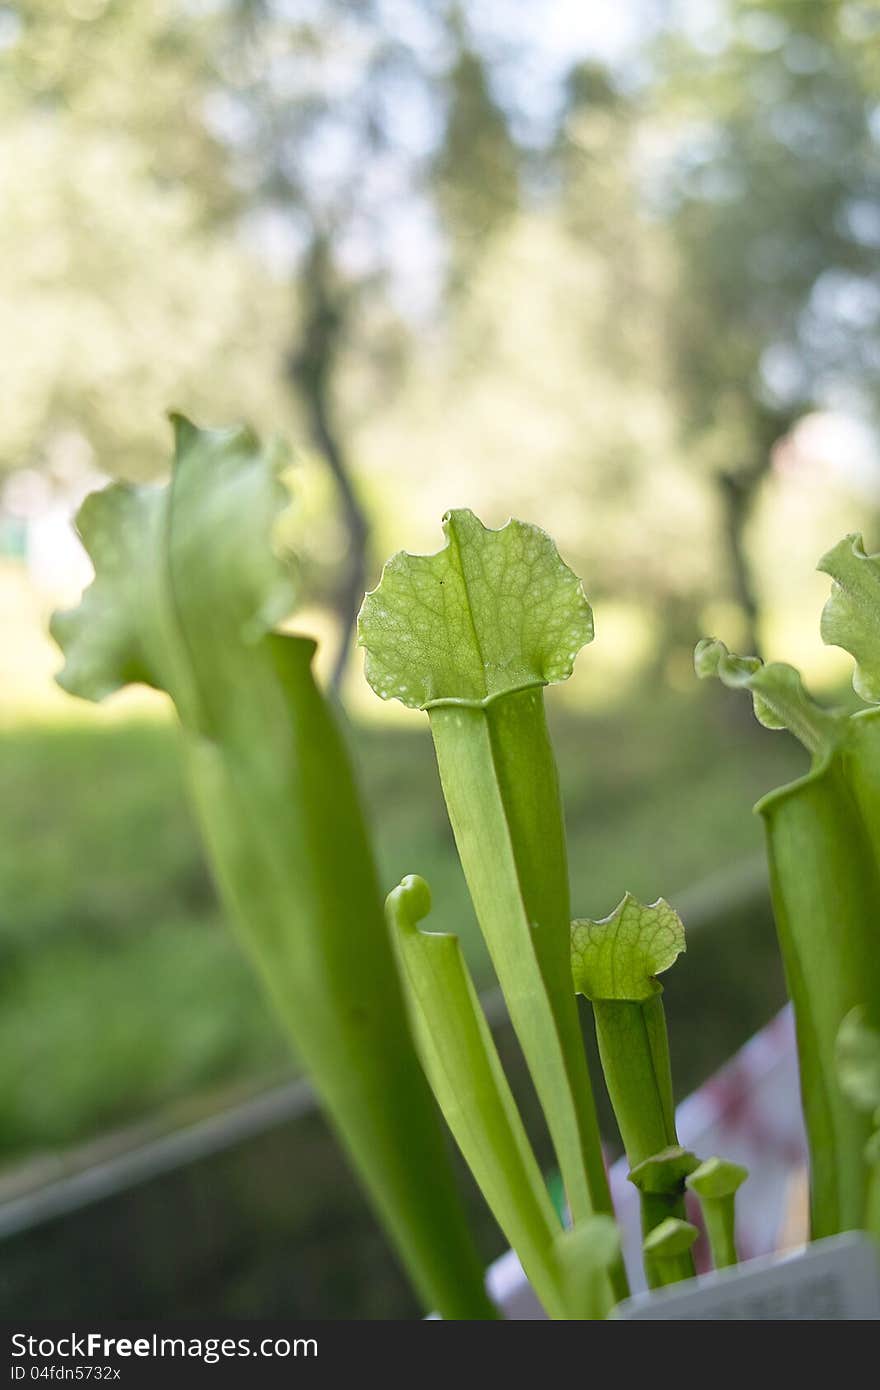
point(476, 169)
point(773, 205)
point(355, 222)
point(126, 296)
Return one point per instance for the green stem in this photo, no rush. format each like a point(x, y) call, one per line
point(719, 1218)
point(634, 1051)
point(585, 1254)
point(655, 1208)
point(466, 1076)
point(188, 589)
point(672, 1269)
point(660, 1206)
point(823, 837)
point(715, 1184)
point(282, 821)
point(501, 788)
point(667, 1252)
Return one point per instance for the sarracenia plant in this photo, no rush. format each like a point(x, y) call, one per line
point(715, 1184)
point(823, 841)
point(615, 964)
point(458, 1053)
point(189, 588)
point(188, 591)
point(472, 635)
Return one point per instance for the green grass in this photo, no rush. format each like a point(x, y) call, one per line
point(121, 989)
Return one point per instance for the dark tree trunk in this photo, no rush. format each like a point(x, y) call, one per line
point(738, 492)
point(311, 369)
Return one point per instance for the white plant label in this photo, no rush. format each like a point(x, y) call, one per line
point(835, 1279)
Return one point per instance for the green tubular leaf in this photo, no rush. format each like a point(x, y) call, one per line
point(472, 633)
point(671, 1238)
point(634, 1052)
point(851, 617)
point(586, 1255)
point(778, 694)
point(105, 646)
point(667, 1250)
point(468, 1082)
point(665, 1172)
point(716, 1183)
point(823, 845)
point(823, 837)
point(499, 782)
point(615, 962)
point(185, 574)
point(620, 956)
point(187, 587)
point(491, 612)
point(716, 1178)
point(660, 1180)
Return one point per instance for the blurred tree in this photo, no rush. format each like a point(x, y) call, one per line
point(476, 171)
point(88, 60)
point(767, 172)
point(299, 107)
point(342, 214)
point(312, 367)
point(315, 141)
point(350, 124)
point(597, 157)
point(526, 406)
point(121, 299)
point(596, 154)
